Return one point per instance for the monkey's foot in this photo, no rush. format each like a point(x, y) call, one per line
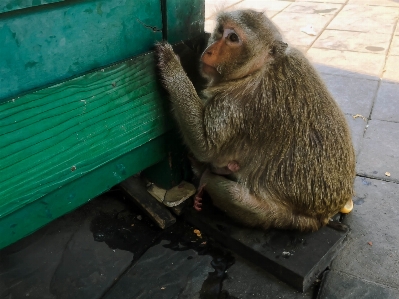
point(198, 198)
point(348, 207)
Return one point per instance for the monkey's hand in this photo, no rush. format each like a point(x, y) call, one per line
point(170, 68)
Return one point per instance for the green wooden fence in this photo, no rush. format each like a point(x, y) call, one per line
point(81, 108)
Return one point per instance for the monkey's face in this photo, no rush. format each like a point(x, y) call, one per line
point(242, 43)
point(223, 56)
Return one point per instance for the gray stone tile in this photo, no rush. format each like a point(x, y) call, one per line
point(391, 72)
point(209, 25)
point(357, 126)
point(372, 249)
point(393, 3)
point(337, 285)
point(379, 152)
point(290, 25)
point(352, 17)
point(213, 7)
point(270, 5)
point(246, 280)
point(293, 257)
point(394, 50)
point(323, 68)
point(330, 1)
point(62, 260)
point(353, 95)
point(367, 42)
point(360, 64)
point(386, 106)
point(163, 273)
point(314, 8)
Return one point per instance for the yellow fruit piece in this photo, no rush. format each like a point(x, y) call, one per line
point(348, 207)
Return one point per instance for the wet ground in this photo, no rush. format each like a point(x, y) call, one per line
point(110, 249)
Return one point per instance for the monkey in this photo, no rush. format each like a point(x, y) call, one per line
point(266, 110)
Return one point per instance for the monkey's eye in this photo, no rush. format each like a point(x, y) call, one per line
point(233, 38)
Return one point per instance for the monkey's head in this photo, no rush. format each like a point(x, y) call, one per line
point(243, 42)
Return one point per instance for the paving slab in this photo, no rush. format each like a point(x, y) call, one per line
point(394, 50)
point(379, 152)
point(367, 42)
point(362, 65)
point(164, 273)
point(354, 95)
point(62, 260)
point(386, 105)
point(247, 280)
point(357, 125)
point(391, 69)
point(393, 3)
point(290, 25)
point(372, 251)
point(293, 257)
point(380, 19)
point(328, 1)
point(271, 5)
point(337, 285)
point(209, 25)
point(322, 8)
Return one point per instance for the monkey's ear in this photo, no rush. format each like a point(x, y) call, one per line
point(278, 48)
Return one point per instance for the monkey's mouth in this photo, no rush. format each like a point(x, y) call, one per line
point(209, 70)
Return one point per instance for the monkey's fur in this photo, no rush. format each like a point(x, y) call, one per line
point(266, 108)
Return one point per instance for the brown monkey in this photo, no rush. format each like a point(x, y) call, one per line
point(267, 110)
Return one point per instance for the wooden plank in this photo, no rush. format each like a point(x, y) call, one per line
point(49, 43)
point(54, 136)
point(10, 5)
point(137, 190)
point(296, 258)
point(31, 217)
point(183, 19)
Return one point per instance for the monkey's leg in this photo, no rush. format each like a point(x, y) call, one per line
point(232, 198)
point(237, 201)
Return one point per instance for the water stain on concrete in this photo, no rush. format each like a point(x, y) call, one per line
point(375, 49)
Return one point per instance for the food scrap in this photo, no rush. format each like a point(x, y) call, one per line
point(370, 243)
point(198, 233)
point(359, 115)
point(388, 173)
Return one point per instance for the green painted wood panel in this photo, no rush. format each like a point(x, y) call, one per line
point(184, 19)
point(49, 43)
point(56, 135)
point(24, 221)
point(10, 5)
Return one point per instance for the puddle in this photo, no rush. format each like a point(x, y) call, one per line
point(125, 231)
point(328, 10)
point(375, 49)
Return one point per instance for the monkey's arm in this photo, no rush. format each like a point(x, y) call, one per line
point(188, 107)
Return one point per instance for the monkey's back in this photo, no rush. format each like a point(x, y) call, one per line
point(303, 155)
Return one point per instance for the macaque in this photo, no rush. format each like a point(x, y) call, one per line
point(267, 115)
